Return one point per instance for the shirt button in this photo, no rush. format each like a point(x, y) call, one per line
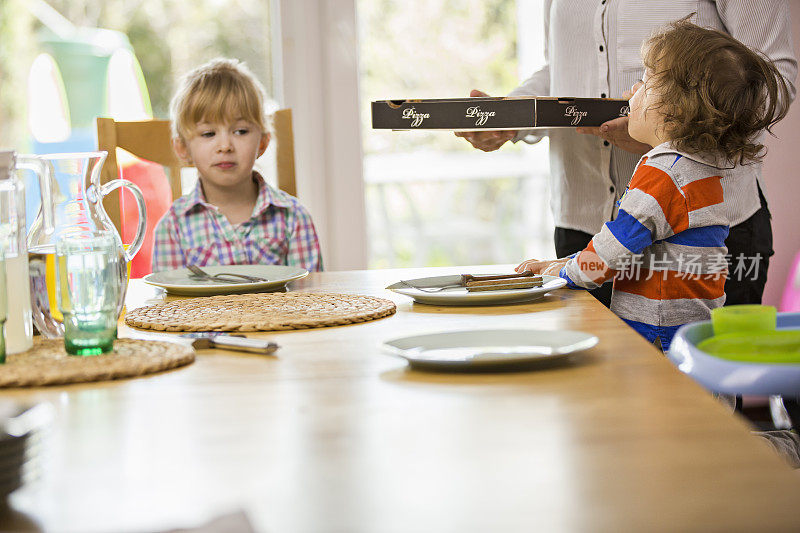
point(606, 143)
point(602, 95)
point(601, 48)
point(611, 189)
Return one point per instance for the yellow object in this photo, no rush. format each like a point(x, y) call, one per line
point(50, 279)
point(127, 263)
point(743, 318)
point(51, 287)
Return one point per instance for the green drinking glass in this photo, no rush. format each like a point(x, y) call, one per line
point(87, 290)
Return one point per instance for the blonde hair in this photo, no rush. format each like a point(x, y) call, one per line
point(222, 90)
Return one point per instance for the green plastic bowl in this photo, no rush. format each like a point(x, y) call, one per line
point(780, 346)
point(743, 318)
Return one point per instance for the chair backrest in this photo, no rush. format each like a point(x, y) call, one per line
point(148, 140)
point(284, 151)
point(152, 140)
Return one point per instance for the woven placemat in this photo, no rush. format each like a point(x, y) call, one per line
point(48, 364)
point(260, 312)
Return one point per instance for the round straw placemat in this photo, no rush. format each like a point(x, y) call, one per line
point(260, 312)
point(48, 364)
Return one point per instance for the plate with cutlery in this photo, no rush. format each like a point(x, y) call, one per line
point(467, 289)
point(225, 279)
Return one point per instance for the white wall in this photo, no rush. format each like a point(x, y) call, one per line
point(782, 178)
point(317, 77)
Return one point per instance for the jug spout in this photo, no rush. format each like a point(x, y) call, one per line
point(65, 203)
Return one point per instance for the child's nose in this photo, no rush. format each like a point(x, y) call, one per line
point(224, 142)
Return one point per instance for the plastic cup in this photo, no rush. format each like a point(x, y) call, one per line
point(88, 291)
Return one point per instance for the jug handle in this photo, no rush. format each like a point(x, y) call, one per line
point(45, 172)
point(140, 229)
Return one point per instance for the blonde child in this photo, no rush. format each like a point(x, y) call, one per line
point(703, 103)
point(233, 216)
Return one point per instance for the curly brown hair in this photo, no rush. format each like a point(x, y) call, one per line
point(717, 95)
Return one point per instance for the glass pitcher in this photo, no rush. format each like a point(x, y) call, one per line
point(18, 326)
point(76, 206)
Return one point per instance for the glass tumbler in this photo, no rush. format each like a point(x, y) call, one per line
point(88, 290)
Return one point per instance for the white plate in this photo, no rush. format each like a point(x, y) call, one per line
point(460, 295)
point(487, 348)
point(180, 281)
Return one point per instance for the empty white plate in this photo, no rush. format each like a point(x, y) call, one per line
point(488, 347)
point(460, 295)
point(181, 282)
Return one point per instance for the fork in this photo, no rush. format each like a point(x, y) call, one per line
point(224, 276)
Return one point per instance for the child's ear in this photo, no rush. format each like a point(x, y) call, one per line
point(262, 147)
point(180, 148)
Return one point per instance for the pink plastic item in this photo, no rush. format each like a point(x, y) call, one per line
point(790, 302)
point(152, 180)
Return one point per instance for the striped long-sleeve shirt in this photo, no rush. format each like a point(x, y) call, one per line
point(665, 250)
point(279, 232)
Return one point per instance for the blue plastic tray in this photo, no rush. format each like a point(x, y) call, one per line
point(732, 377)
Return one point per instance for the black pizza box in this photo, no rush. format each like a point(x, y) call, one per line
point(495, 113)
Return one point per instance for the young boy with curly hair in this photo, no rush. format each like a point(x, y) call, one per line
point(703, 104)
point(233, 216)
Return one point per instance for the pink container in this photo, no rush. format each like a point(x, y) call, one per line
point(790, 302)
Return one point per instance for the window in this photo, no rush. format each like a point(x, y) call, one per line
point(431, 199)
point(82, 48)
point(75, 60)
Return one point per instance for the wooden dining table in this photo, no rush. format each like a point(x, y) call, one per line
point(333, 434)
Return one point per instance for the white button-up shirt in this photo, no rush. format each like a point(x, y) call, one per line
point(592, 49)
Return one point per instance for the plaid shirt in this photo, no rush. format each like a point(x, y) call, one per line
point(194, 232)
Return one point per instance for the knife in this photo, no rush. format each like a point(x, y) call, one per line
point(240, 343)
point(209, 340)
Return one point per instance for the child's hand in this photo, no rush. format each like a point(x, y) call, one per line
point(488, 141)
point(616, 132)
point(549, 268)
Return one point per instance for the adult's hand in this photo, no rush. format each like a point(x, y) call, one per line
point(616, 131)
point(488, 141)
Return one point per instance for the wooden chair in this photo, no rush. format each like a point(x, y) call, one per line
point(284, 151)
point(147, 139)
point(151, 140)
